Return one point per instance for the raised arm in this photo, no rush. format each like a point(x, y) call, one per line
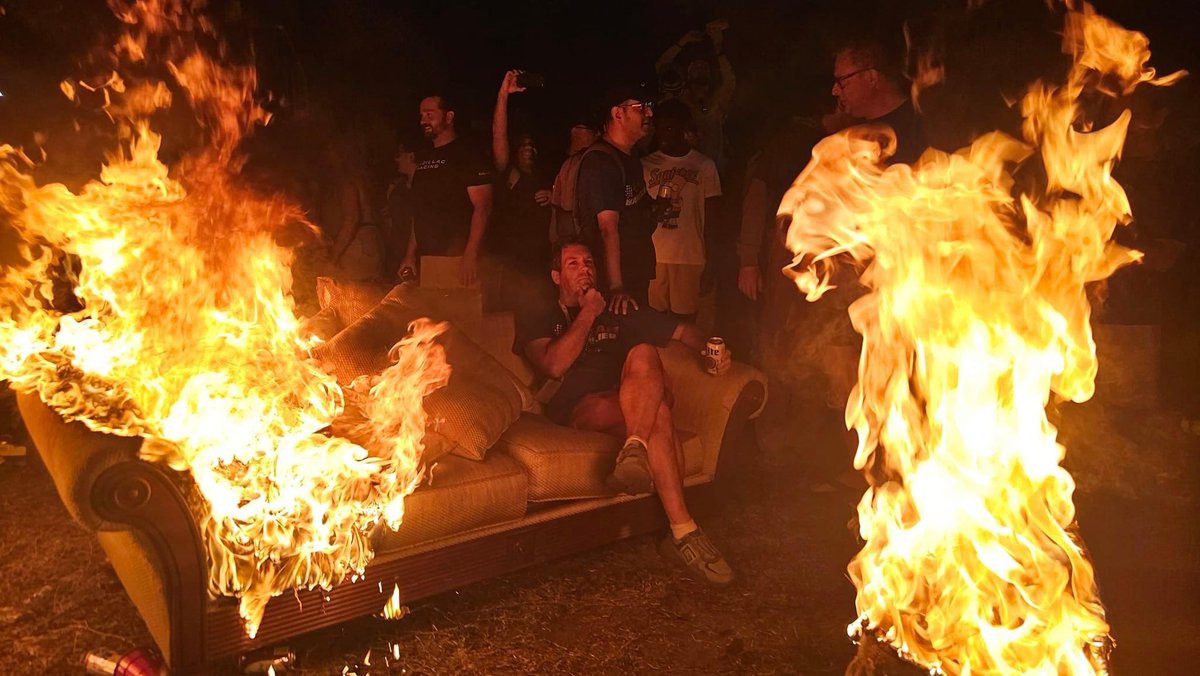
point(501, 154)
point(716, 33)
point(668, 57)
point(553, 356)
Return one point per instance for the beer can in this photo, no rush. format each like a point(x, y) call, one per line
point(714, 355)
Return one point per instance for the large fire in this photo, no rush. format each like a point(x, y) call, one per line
point(177, 325)
point(975, 313)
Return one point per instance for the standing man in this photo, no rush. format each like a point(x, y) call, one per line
point(687, 180)
point(613, 208)
point(452, 194)
point(612, 381)
point(868, 87)
point(708, 94)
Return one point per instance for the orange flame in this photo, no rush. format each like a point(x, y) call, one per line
point(181, 329)
point(976, 312)
point(393, 609)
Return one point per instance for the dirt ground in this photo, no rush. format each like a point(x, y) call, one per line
point(622, 609)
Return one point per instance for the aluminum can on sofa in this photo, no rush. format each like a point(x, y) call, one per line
point(714, 356)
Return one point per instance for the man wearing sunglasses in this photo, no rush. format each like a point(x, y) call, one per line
point(613, 209)
point(868, 88)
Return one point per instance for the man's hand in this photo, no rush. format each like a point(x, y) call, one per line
point(691, 36)
point(750, 281)
point(660, 209)
point(716, 31)
point(621, 302)
point(468, 272)
point(509, 85)
point(542, 197)
point(591, 304)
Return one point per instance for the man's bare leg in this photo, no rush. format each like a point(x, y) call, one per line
point(665, 468)
point(599, 412)
point(643, 388)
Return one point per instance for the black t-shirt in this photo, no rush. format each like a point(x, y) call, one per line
point(910, 133)
point(598, 367)
point(520, 228)
point(602, 188)
point(441, 208)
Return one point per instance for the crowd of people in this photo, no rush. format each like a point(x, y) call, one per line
point(612, 253)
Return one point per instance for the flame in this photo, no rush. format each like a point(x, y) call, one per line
point(975, 313)
point(157, 303)
point(393, 610)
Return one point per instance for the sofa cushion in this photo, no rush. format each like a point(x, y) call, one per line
point(568, 464)
point(468, 415)
point(458, 495)
point(349, 300)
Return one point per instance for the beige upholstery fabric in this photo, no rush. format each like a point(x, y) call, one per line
point(362, 347)
point(349, 300)
point(478, 405)
point(703, 402)
point(565, 463)
point(499, 332)
point(324, 325)
point(132, 557)
point(468, 415)
point(459, 495)
point(441, 272)
point(75, 457)
point(461, 307)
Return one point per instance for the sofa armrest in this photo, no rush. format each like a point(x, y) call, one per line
point(145, 524)
point(75, 457)
point(705, 404)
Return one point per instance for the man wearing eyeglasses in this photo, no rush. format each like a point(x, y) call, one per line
point(869, 88)
point(613, 208)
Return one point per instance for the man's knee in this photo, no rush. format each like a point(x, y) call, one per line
point(643, 358)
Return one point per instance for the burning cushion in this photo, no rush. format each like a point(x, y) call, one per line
point(467, 416)
point(347, 301)
point(324, 325)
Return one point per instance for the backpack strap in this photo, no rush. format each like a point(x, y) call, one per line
point(600, 146)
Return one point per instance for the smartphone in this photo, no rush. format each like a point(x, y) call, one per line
point(531, 80)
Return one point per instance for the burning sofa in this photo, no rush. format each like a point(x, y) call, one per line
point(509, 489)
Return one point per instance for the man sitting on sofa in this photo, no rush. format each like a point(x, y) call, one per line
point(612, 380)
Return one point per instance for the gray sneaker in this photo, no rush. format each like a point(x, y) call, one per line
point(632, 472)
point(698, 557)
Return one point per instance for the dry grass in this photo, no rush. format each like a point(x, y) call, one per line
point(616, 609)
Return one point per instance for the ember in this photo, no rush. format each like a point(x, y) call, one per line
point(976, 313)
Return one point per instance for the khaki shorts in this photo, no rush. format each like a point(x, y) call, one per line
point(676, 288)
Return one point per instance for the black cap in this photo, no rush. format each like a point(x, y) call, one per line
point(620, 93)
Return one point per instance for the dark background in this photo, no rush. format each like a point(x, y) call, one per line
point(368, 62)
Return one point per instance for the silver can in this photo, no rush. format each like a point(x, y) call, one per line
point(714, 355)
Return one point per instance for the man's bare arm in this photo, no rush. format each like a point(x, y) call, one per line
point(481, 214)
point(553, 356)
point(608, 221)
point(481, 201)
